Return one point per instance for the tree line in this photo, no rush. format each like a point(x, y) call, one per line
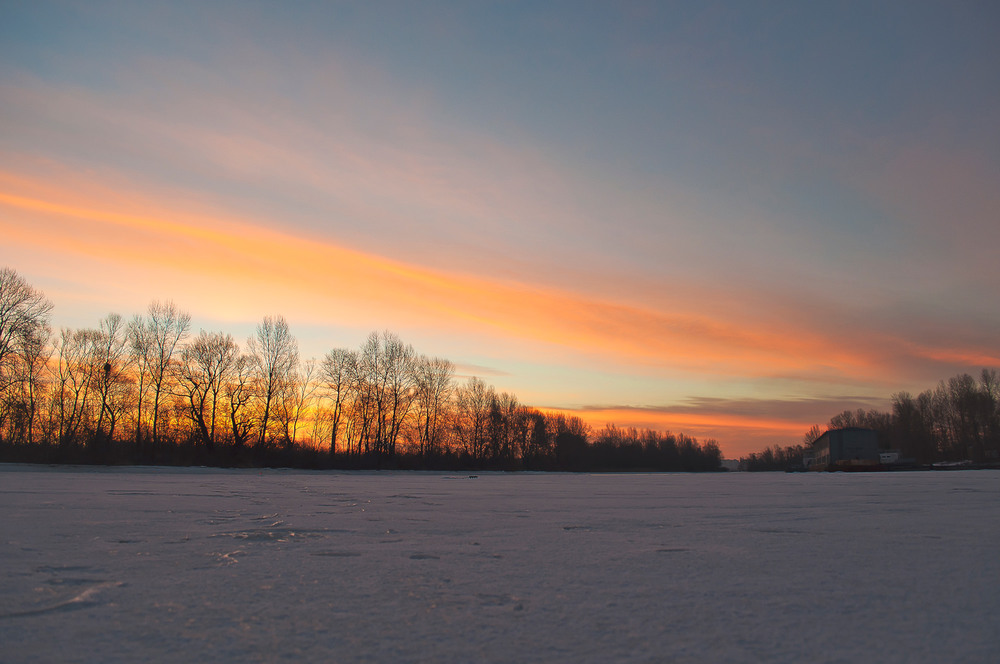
point(956, 421)
point(148, 390)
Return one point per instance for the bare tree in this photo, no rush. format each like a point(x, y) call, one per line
point(913, 429)
point(967, 409)
point(385, 390)
point(400, 387)
point(571, 434)
point(339, 374)
point(811, 436)
point(536, 446)
point(20, 401)
point(141, 356)
point(75, 373)
point(24, 311)
point(501, 426)
point(275, 355)
point(24, 332)
point(472, 417)
point(112, 367)
point(434, 383)
point(154, 341)
point(295, 400)
point(238, 392)
point(207, 364)
point(369, 394)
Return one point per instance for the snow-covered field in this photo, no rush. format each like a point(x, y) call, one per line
point(155, 564)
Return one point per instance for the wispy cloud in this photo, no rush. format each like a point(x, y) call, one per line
point(746, 424)
point(620, 224)
point(255, 263)
point(201, 255)
point(466, 370)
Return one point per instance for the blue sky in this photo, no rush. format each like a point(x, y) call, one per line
point(728, 219)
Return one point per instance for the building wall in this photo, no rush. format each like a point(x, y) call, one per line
point(846, 447)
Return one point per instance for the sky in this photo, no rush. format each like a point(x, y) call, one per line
point(727, 219)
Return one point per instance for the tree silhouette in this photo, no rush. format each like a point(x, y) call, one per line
point(275, 355)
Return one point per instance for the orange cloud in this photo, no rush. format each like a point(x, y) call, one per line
point(738, 435)
point(320, 279)
point(967, 356)
point(237, 265)
point(234, 268)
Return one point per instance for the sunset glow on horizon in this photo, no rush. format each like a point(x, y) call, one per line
point(642, 216)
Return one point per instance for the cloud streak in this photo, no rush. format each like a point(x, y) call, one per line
point(255, 262)
point(312, 277)
point(598, 222)
point(747, 424)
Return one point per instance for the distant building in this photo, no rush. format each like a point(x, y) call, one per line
point(888, 457)
point(808, 458)
point(846, 449)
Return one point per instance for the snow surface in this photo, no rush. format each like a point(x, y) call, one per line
point(178, 565)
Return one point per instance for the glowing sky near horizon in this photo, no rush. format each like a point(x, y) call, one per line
point(727, 220)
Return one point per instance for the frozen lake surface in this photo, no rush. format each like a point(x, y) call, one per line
point(178, 565)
